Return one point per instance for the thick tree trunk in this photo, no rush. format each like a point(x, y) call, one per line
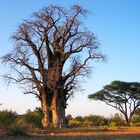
point(55, 114)
point(61, 112)
point(45, 111)
point(56, 85)
point(63, 122)
point(58, 111)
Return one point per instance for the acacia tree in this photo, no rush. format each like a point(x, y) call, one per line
point(51, 51)
point(123, 96)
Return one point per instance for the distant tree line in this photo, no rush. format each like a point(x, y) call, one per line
point(98, 120)
point(32, 119)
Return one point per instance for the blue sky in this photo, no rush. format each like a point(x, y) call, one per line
point(116, 24)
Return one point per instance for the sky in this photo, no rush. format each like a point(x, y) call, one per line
point(115, 23)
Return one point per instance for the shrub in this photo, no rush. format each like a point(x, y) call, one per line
point(30, 120)
point(136, 120)
point(113, 124)
point(69, 117)
point(22, 122)
point(7, 118)
point(87, 122)
point(95, 120)
point(79, 118)
point(75, 123)
point(17, 130)
point(116, 120)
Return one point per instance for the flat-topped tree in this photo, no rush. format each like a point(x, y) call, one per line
point(51, 51)
point(123, 96)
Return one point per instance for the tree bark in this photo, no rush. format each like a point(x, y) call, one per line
point(45, 111)
point(58, 111)
point(127, 120)
point(55, 114)
point(63, 122)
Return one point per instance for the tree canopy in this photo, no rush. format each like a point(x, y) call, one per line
point(124, 96)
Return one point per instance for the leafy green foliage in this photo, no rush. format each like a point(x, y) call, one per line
point(17, 130)
point(116, 120)
point(7, 118)
point(69, 117)
point(95, 120)
point(74, 122)
point(79, 118)
point(92, 120)
point(30, 119)
point(17, 124)
point(136, 120)
point(118, 92)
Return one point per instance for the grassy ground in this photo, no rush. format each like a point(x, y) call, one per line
point(132, 133)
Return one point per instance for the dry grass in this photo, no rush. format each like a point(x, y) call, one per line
point(96, 133)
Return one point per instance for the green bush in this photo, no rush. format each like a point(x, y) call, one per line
point(79, 118)
point(113, 124)
point(69, 117)
point(116, 120)
point(30, 120)
point(7, 118)
point(17, 130)
point(74, 123)
point(22, 122)
point(136, 120)
point(95, 120)
point(91, 120)
point(88, 122)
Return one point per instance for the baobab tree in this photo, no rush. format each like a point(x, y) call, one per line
point(51, 51)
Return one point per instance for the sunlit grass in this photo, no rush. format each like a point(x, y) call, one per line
point(88, 133)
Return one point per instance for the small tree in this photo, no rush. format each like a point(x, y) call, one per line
point(123, 96)
point(116, 120)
